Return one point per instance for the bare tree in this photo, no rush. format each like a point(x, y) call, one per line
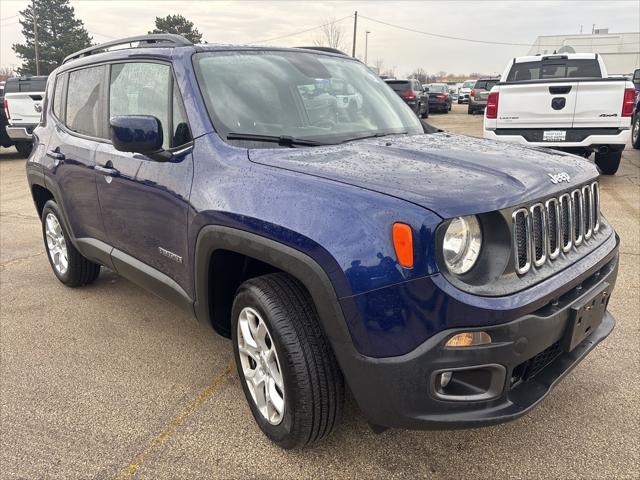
point(332, 34)
point(420, 75)
point(390, 72)
point(378, 65)
point(6, 72)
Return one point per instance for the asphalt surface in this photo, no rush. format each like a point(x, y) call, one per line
point(108, 381)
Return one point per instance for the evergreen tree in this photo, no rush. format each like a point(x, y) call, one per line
point(60, 34)
point(179, 25)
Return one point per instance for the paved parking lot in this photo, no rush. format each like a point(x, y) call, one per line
point(110, 382)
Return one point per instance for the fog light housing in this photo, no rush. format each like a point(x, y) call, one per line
point(468, 339)
point(445, 378)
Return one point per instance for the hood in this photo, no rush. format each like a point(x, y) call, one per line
point(448, 174)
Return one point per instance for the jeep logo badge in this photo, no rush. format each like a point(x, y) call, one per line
point(558, 103)
point(559, 177)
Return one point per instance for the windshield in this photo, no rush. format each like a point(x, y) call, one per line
point(438, 89)
point(469, 84)
point(306, 96)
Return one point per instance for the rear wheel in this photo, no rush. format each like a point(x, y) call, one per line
point(635, 132)
point(425, 114)
point(608, 163)
point(470, 110)
point(67, 262)
point(24, 148)
point(288, 372)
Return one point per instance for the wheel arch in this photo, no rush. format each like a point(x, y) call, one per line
point(220, 242)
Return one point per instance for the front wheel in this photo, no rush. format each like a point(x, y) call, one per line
point(635, 132)
point(608, 163)
point(288, 372)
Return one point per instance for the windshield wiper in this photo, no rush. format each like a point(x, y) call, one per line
point(374, 135)
point(284, 140)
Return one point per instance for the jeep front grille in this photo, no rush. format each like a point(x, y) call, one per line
point(543, 230)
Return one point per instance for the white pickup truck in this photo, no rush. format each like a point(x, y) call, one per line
point(23, 97)
point(566, 102)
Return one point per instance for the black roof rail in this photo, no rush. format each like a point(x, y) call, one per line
point(325, 49)
point(154, 39)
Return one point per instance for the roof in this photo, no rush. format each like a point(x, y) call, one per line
point(569, 56)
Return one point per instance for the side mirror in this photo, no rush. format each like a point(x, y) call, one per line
point(138, 134)
point(636, 76)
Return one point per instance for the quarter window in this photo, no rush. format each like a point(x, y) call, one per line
point(84, 104)
point(58, 97)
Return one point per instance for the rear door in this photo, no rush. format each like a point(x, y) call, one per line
point(78, 127)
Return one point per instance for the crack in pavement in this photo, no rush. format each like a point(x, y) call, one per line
point(19, 259)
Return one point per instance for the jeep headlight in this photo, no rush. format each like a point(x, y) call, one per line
point(461, 244)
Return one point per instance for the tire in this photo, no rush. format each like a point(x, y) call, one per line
point(635, 132)
point(450, 106)
point(446, 110)
point(313, 386)
point(79, 271)
point(425, 114)
point(459, 102)
point(470, 110)
point(608, 163)
point(24, 148)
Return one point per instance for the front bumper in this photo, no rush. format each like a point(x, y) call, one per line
point(21, 133)
point(524, 138)
point(526, 359)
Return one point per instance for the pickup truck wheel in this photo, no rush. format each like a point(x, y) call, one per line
point(608, 163)
point(635, 132)
point(67, 262)
point(24, 148)
point(287, 369)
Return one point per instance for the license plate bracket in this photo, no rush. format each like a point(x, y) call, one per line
point(585, 317)
point(554, 135)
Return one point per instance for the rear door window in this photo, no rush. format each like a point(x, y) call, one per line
point(84, 107)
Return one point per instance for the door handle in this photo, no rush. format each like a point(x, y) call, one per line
point(55, 155)
point(112, 172)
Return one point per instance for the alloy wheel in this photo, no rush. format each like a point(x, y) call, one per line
point(56, 244)
point(260, 365)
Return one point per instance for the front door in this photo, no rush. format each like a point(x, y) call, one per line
point(144, 203)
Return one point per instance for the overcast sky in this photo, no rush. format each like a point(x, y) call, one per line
point(517, 22)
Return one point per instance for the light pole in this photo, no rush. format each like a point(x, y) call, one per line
point(366, 45)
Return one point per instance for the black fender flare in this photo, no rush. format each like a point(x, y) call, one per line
point(283, 257)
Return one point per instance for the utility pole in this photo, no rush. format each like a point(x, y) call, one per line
point(35, 36)
point(355, 31)
point(366, 45)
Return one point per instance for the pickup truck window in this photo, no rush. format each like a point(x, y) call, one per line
point(540, 70)
point(299, 95)
point(84, 106)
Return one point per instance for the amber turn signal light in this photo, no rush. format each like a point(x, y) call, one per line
point(468, 339)
point(403, 244)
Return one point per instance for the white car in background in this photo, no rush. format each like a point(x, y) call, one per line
point(567, 102)
point(23, 97)
point(465, 90)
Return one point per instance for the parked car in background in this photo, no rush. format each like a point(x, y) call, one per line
point(412, 92)
point(465, 90)
point(635, 120)
point(479, 93)
point(5, 141)
point(23, 98)
point(336, 252)
point(439, 97)
point(566, 102)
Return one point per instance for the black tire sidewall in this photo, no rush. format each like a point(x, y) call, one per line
point(52, 207)
point(24, 148)
point(247, 297)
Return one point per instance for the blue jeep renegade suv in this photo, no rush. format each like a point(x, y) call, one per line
point(290, 199)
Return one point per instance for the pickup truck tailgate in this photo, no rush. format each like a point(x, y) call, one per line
point(599, 104)
point(537, 105)
point(21, 107)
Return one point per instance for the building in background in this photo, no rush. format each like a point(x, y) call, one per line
point(620, 51)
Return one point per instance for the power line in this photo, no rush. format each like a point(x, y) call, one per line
point(471, 40)
point(8, 18)
point(301, 31)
